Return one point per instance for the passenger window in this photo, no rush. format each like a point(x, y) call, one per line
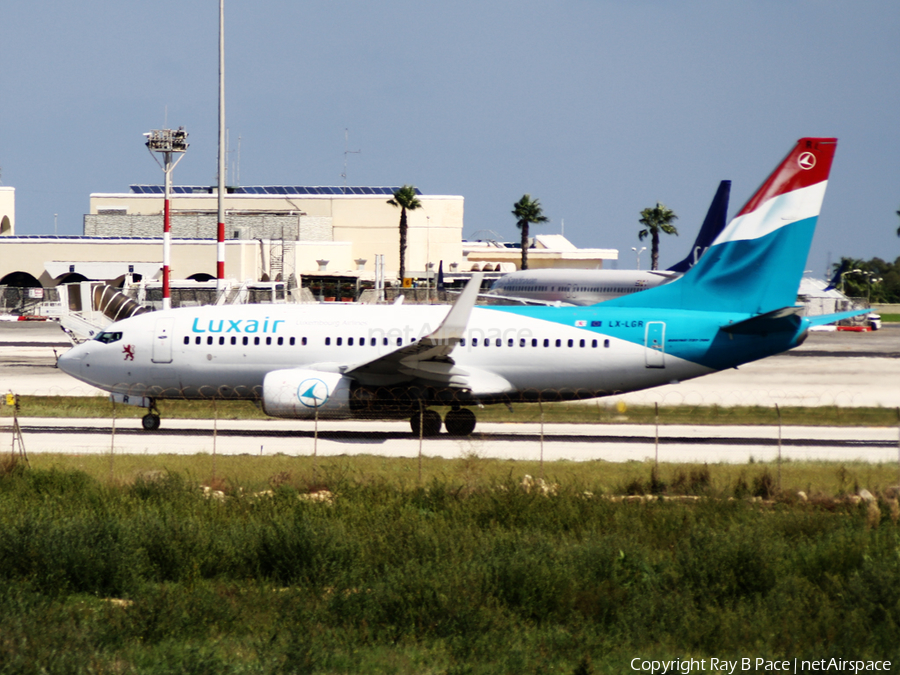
point(349, 342)
point(546, 342)
point(606, 344)
point(510, 342)
point(221, 340)
point(256, 340)
point(245, 340)
point(594, 344)
point(571, 343)
point(534, 342)
point(362, 342)
point(302, 342)
point(462, 342)
point(327, 341)
point(233, 340)
point(474, 342)
point(197, 340)
point(187, 340)
point(280, 341)
point(581, 343)
point(559, 343)
point(399, 341)
point(339, 340)
point(268, 340)
point(385, 342)
point(292, 341)
point(209, 339)
point(499, 342)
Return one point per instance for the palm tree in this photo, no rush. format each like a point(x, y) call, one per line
point(406, 199)
point(527, 211)
point(655, 220)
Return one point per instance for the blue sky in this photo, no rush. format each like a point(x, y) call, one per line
point(597, 108)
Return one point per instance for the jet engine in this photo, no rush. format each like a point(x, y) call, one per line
point(300, 393)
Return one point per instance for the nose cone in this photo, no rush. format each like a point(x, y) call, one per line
point(70, 362)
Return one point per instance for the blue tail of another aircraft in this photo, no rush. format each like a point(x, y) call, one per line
point(713, 225)
point(755, 264)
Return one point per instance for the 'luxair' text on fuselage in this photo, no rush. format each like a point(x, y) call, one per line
point(234, 326)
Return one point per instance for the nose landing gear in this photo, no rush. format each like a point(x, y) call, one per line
point(150, 421)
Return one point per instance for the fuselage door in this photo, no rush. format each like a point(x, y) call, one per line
point(655, 342)
point(162, 340)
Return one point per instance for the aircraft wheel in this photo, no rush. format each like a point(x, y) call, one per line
point(150, 422)
point(460, 422)
point(431, 423)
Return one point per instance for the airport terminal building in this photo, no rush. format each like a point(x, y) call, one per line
point(272, 233)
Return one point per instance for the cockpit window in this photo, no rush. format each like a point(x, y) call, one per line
point(108, 336)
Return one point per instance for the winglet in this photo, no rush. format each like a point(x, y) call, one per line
point(453, 326)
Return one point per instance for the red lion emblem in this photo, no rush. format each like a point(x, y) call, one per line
point(128, 350)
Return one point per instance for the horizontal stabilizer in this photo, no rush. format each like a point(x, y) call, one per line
point(825, 319)
point(784, 319)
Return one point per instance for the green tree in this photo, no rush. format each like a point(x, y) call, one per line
point(898, 229)
point(527, 211)
point(655, 220)
point(405, 198)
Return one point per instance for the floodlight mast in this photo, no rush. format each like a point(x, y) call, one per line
point(167, 142)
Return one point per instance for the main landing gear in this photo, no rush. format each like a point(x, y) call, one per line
point(459, 422)
point(150, 421)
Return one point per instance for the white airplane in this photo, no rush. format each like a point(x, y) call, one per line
point(588, 287)
point(337, 361)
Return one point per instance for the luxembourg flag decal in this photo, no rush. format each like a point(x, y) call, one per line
point(580, 323)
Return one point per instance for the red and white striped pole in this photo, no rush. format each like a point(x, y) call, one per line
point(220, 234)
point(167, 237)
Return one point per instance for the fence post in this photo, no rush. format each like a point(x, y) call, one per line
point(656, 407)
point(541, 405)
point(215, 436)
point(421, 434)
point(112, 443)
point(778, 410)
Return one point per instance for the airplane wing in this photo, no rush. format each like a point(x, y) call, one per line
point(429, 358)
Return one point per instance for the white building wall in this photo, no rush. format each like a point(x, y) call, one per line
point(7, 211)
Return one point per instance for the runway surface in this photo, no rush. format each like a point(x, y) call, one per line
point(572, 442)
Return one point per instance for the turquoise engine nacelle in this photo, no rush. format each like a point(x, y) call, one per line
point(306, 394)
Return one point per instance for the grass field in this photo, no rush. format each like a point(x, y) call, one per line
point(595, 412)
point(472, 572)
point(250, 473)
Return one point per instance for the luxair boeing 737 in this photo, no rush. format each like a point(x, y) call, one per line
point(734, 306)
point(588, 287)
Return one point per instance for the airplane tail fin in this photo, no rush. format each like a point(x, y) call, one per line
point(755, 264)
point(713, 224)
point(836, 279)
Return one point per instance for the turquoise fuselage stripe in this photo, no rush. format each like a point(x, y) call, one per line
point(694, 336)
point(732, 282)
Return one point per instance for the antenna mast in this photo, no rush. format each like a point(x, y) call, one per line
point(347, 151)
